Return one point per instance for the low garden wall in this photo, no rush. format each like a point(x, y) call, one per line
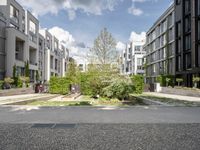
point(19, 91)
point(181, 91)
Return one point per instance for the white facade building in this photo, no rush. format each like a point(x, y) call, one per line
point(132, 58)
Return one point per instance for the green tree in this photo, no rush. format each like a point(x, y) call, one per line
point(15, 78)
point(104, 49)
point(37, 76)
point(26, 65)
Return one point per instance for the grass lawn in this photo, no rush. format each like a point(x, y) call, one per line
point(88, 101)
point(170, 101)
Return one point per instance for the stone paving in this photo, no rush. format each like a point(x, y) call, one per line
point(172, 96)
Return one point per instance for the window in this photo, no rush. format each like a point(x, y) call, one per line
point(188, 42)
point(32, 27)
point(187, 24)
point(187, 6)
point(198, 7)
point(188, 63)
point(14, 14)
point(139, 61)
point(198, 29)
point(178, 2)
point(198, 55)
point(178, 45)
point(178, 64)
point(178, 29)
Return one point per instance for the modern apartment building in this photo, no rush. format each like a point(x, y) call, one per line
point(187, 35)
point(21, 42)
point(160, 47)
point(56, 56)
point(132, 58)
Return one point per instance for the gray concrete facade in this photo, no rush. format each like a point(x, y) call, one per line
point(160, 47)
point(20, 42)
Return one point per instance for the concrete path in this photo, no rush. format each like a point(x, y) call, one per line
point(178, 97)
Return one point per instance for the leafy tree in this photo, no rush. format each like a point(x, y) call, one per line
point(15, 76)
point(104, 48)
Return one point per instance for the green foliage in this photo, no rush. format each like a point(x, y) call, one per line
point(37, 76)
point(138, 83)
point(179, 80)
point(119, 88)
point(104, 49)
point(1, 84)
point(15, 75)
point(26, 65)
point(58, 85)
point(196, 79)
point(25, 80)
point(8, 80)
point(166, 80)
point(19, 82)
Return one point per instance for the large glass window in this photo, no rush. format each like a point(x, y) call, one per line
point(14, 13)
point(187, 6)
point(188, 62)
point(188, 42)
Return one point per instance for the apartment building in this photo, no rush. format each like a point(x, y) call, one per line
point(187, 36)
point(56, 56)
point(21, 42)
point(160, 47)
point(132, 58)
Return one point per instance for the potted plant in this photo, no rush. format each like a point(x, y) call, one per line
point(179, 81)
point(167, 81)
point(195, 81)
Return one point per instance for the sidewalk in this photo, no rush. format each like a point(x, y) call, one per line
point(172, 96)
point(22, 98)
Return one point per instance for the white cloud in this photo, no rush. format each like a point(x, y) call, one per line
point(95, 7)
point(77, 49)
point(135, 11)
point(137, 37)
point(120, 46)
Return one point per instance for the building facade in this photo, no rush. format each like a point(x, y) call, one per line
point(21, 42)
point(132, 58)
point(160, 47)
point(187, 35)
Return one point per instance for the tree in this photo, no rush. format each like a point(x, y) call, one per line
point(26, 65)
point(37, 76)
point(15, 75)
point(104, 48)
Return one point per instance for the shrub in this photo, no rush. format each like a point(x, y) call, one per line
point(1, 84)
point(119, 88)
point(166, 80)
point(138, 83)
point(8, 80)
point(58, 85)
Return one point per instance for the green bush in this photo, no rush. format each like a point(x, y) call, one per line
point(58, 85)
point(138, 84)
point(166, 80)
point(1, 84)
point(19, 82)
point(119, 88)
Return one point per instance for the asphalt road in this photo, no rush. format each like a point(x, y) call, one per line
point(87, 128)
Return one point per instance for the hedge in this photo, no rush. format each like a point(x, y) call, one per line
point(138, 84)
point(58, 85)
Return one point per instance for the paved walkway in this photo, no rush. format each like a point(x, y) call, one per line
point(172, 96)
point(26, 97)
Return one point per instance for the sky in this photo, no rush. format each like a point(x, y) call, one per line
point(78, 22)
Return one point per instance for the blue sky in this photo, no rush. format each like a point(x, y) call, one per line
point(83, 19)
